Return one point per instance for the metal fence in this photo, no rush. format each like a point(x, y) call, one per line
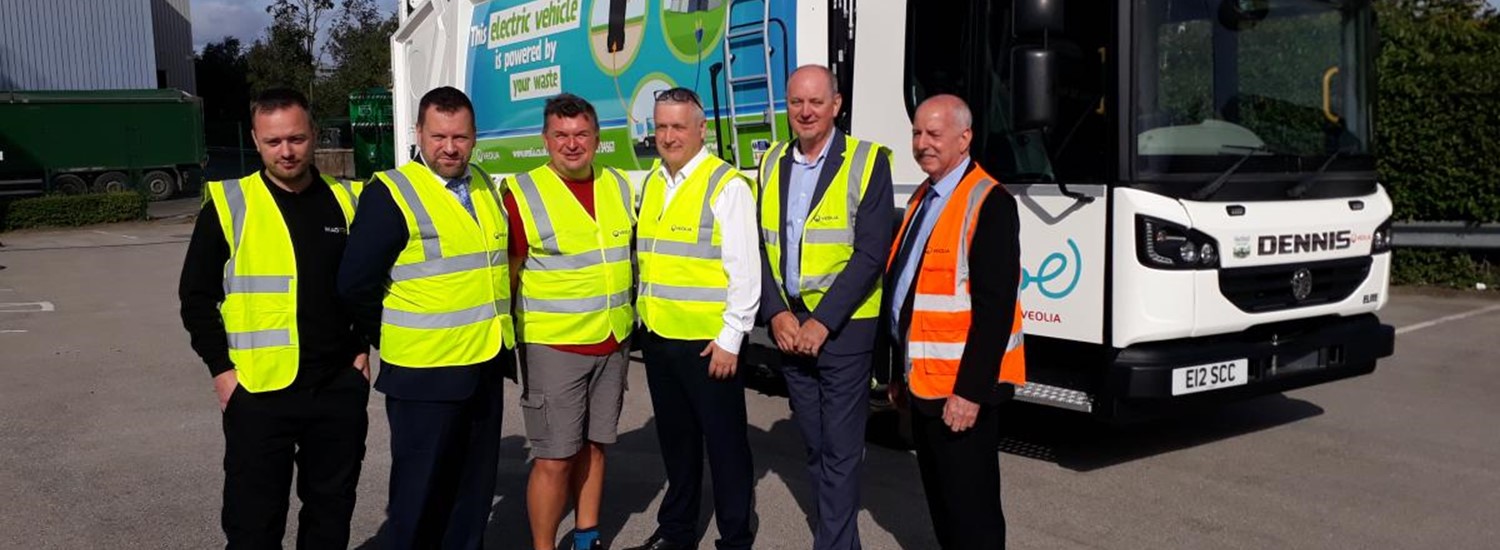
point(1446, 235)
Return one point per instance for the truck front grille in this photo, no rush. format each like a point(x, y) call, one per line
point(1272, 288)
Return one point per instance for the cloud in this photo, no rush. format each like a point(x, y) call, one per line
point(215, 19)
point(245, 19)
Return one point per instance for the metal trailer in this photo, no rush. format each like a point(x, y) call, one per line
point(95, 141)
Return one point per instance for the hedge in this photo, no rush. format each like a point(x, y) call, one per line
point(1437, 114)
point(74, 210)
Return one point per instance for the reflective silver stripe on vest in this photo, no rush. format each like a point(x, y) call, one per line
point(577, 261)
point(453, 319)
point(942, 303)
point(625, 199)
point(954, 351)
point(234, 197)
point(700, 251)
point(245, 284)
point(353, 197)
point(768, 165)
point(260, 339)
point(544, 230)
point(684, 293)
point(971, 211)
point(828, 236)
point(441, 266)
point(856, 169)
point(575, 305)
point(704, 249)
point(770, 237)
point(819, 282)
point(426, 231)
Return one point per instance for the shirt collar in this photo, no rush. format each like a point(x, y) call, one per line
point(674, 180)
point(945, 186)
point(799, 158)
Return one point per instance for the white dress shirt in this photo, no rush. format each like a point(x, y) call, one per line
point(734, 210)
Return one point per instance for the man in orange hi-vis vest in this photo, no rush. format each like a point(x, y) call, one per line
point(952, 299)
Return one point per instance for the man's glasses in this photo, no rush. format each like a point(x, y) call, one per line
point(679, 95)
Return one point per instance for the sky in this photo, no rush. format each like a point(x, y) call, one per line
point(242, 19)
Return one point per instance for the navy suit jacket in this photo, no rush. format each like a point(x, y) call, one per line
point(874, 225)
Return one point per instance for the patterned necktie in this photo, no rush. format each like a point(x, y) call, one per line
point(460, 189)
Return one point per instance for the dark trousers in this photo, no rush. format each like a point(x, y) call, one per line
point(694, 412)
point(443, 460)
point(320, 430)
point(830, 402)
point(961, 476)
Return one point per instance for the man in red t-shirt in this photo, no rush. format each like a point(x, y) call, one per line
point(571, 225)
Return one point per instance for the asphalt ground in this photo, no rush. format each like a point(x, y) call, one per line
point(109, 437)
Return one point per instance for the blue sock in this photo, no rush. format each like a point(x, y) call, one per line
point(584, 538)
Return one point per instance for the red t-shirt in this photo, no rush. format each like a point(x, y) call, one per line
point(583, 190)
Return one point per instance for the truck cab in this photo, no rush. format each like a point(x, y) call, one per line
point(1200, 216)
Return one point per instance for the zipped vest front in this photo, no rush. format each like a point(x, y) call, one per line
point(827, 241)
point(448, 302)
point(260, 279)
point(679, 247)
point(576, 282)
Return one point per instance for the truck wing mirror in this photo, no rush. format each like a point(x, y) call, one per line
point(1032, 106)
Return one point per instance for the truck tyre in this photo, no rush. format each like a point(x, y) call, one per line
point(111, 182)
point(69, 184)
point(159, 184)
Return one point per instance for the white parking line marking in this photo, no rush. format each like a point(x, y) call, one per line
point(12, 331)
point(131, 237)
point(26, 307)
point(1448, 319)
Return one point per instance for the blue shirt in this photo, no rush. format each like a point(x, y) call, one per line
point(941, 190)
point(802, 183)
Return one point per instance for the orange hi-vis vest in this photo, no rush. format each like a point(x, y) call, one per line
point(941, 309)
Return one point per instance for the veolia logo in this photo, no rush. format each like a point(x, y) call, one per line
point(1054, 267)
point(621, 232)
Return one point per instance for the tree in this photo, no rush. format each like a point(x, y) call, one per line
point(221, 71)
point(359, 54)
point(288, 55)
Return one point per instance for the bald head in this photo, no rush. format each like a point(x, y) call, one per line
point(812, 102)
point(940, 134)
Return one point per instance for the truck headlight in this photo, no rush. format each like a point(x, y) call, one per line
point(1380, 241)
point(1165, 245)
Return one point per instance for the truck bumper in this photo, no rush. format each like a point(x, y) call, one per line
point(1280, 357)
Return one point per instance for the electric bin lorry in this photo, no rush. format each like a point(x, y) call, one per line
point(1196, 182)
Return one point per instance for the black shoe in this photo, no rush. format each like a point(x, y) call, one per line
point(658, 543)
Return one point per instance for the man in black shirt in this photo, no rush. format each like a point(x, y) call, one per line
point(259, 303)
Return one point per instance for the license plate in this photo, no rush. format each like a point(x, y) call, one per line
point(1213, 376)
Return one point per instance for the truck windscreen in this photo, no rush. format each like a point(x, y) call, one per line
point(1288, 80)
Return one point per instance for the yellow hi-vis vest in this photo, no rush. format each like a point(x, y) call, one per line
point(828, 235)
point(260, 279)
point(683, 286)
point(448, 302)
point(575, 284)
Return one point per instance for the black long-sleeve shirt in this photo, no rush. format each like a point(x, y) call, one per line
point(318, 231)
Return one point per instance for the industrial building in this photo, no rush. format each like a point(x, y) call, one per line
point(96, 45)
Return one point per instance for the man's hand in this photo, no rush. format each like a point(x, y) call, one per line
point(721, 364)
point(959, 413)
point(362, 364)
point(810, 339)
point(224, 385)
point(784, 330)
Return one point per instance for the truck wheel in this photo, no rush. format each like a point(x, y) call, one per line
point(159, 184)
point(111, 182)
point(69, 184)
